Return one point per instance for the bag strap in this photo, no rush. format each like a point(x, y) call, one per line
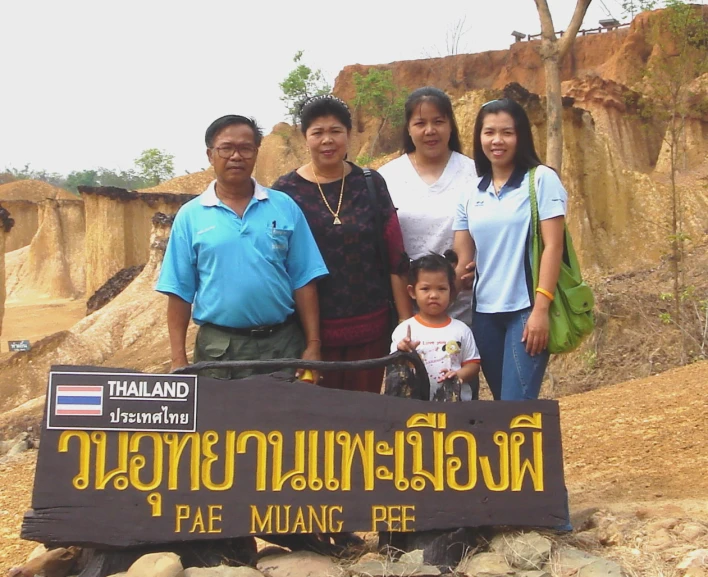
point(380, 244)
point(570, 258)
point(536, 240)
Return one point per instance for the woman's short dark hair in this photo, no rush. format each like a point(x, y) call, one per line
point(442, 102)
point(220, 123)
point(525, 157)
point(434, 262)
point(324, 105)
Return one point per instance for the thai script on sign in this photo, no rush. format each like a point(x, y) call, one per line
point(318, 460)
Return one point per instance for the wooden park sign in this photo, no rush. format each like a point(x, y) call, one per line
point(132, 459)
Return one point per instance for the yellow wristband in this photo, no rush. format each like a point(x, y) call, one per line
point(545, 293)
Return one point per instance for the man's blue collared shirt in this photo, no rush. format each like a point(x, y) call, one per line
point(240, 272)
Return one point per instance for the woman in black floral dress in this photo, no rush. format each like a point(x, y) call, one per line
point(333, 195)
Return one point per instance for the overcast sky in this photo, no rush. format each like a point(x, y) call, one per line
point(88, 83)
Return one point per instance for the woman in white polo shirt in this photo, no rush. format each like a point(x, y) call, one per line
point(492, 228)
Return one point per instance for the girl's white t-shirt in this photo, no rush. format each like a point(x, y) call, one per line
point(445, 347)
point(426, 211)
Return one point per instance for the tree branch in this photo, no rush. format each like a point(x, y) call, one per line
point(571, 31)
point(544, 14)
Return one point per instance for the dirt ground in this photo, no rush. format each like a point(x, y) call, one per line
point(636, 448)
point(33, 321)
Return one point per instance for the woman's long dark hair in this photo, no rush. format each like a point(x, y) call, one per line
point(442, 102)
point(525, 157)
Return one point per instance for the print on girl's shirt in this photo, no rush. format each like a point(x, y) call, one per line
point(442, 348)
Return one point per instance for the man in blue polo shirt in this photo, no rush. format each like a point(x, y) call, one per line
point(244, 256)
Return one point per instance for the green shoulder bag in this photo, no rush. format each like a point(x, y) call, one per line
point(571, 316)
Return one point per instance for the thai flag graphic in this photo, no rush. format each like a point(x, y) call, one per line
point(79, 400)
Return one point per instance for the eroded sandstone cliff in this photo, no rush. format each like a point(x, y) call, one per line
point(52, 265)
point(22, 198)
point(118, 224)
point(6, 224)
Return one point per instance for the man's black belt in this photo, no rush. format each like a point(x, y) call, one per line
point(261, 332)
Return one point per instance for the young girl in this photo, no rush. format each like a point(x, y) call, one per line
point(445, 345)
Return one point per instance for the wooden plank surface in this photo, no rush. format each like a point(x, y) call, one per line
point(273, 456)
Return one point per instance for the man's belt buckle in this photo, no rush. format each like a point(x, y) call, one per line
point(261, 332)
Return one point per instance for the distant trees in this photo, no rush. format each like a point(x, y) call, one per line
point(155, 166)
point(553, 51)
point(301, 83)
point(378, 96)
point(151, 167)
point(632, 7)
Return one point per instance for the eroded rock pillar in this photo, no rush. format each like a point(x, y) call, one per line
point(6, 223)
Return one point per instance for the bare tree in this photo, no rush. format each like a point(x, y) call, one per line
point(454, 35)
point(553, 50)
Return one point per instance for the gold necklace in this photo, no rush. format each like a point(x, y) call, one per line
point(341, 194)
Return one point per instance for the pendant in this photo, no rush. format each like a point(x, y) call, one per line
point(336, 220)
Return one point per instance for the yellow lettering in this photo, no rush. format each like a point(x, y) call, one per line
point(454, 463)
point(393, 517)
point(262, 455)
point(365, 449)
point(213, 517)
point(181, 514)
point(334, 526)
point(297, 473)
point(399, 461)
point(501, 439)
point(299, 524)
point(177, 444)
point(261, 525)
point(120, 480)
point(138, 462)
point(420, 475)
point(405, 517)
point(519, 468)
point(314, 482)
point(209, 439)
point(155, 499)
point(378, 515)
point(321, 521)
point(81, 480)
point(282, 522)
point(198, 523)
point(331, 482)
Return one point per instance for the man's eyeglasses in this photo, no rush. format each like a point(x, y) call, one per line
point(245, 151)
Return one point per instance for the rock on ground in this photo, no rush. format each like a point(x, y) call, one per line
point(300, 564)
point(222, 571)
point(156, 565)
point(526, 551)
point(393, 569)
point(491, 563)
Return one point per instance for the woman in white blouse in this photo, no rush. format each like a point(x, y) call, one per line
point(425, 183)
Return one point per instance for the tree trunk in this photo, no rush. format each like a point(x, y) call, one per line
point(372, 150)
point(552, 53)
point(554, 108)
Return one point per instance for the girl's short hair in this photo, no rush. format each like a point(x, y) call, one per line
point(434, 262)
point(324, 105)
point(525, 157)
point(442, 102)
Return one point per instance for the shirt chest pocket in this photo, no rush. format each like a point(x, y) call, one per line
point(275, 243)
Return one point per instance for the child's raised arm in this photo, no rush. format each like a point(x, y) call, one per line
point(407, 345)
